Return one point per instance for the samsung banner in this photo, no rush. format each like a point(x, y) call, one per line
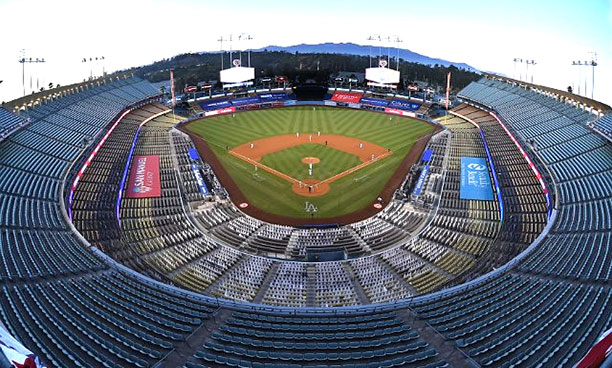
point(404, 105)
point(144, 178)
point(419, 185)
point(475, 180)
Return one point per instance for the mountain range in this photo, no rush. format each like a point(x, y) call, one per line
point(361, 50)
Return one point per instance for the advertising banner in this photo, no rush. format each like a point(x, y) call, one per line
point(193, 154)
point(268, 97)
point(475, 180)
point(393, 111)
point(404, 105)
point(214, 104)
point(199, 180)
point(421, 182)
point(374, 101)
point(427, 155)
point(227, 110)
point(245, 101)
point(348, 97)
point(144, 178)
point(330, 103)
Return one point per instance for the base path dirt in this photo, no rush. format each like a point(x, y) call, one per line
point(256, 149)
point(238, 197)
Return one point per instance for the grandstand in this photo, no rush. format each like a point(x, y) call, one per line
point(93, 276)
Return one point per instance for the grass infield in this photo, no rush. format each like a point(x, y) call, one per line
point(273, 194)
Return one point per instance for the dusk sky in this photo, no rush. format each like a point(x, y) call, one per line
point(487, 35)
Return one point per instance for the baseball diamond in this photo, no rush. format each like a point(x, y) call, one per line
point(349, 144)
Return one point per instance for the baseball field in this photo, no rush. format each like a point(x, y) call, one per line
point(307, 162)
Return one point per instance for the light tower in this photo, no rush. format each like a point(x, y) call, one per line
point(579, 65)
point(593, 64)
point(398, 41)
point(245, 37)
point(527, 63)
point(96, 60)
point(23, 60)
point(221, 42)
point(516, 60)
point(372, 38)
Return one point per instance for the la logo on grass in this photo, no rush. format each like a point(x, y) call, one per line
point(310, 208)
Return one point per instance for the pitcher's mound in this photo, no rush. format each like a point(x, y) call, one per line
point(311, 188)
point(311, 160)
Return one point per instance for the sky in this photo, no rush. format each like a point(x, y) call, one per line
point(488, 35)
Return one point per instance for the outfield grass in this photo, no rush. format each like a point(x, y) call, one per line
point(289, 161)
point(348, 194)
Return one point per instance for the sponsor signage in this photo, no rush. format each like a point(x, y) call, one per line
point(144, 179)
point(193, 154)
point(348, 97)
point(404, 105)
point(245, 101)
point(354, 105)
point(227, 110)
point(393, 111)
point(199, 179)
point(268, 97)
point(374, 101)
point(427, 154)
point(236, 85)
point(214, 104)
point(419, 185)
point(475, 179)
point(330, 103)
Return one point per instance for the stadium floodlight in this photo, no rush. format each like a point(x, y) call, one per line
point(516, 60)
point(221, 50)
point(527, 63)
point(397, 49)
point(372, 38)
point(579, 65)
point(94, 59)
point(593, 64)
point(247, 38)
point(23, 60)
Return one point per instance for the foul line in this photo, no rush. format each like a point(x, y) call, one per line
point(267, 168)
point(295, 181)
